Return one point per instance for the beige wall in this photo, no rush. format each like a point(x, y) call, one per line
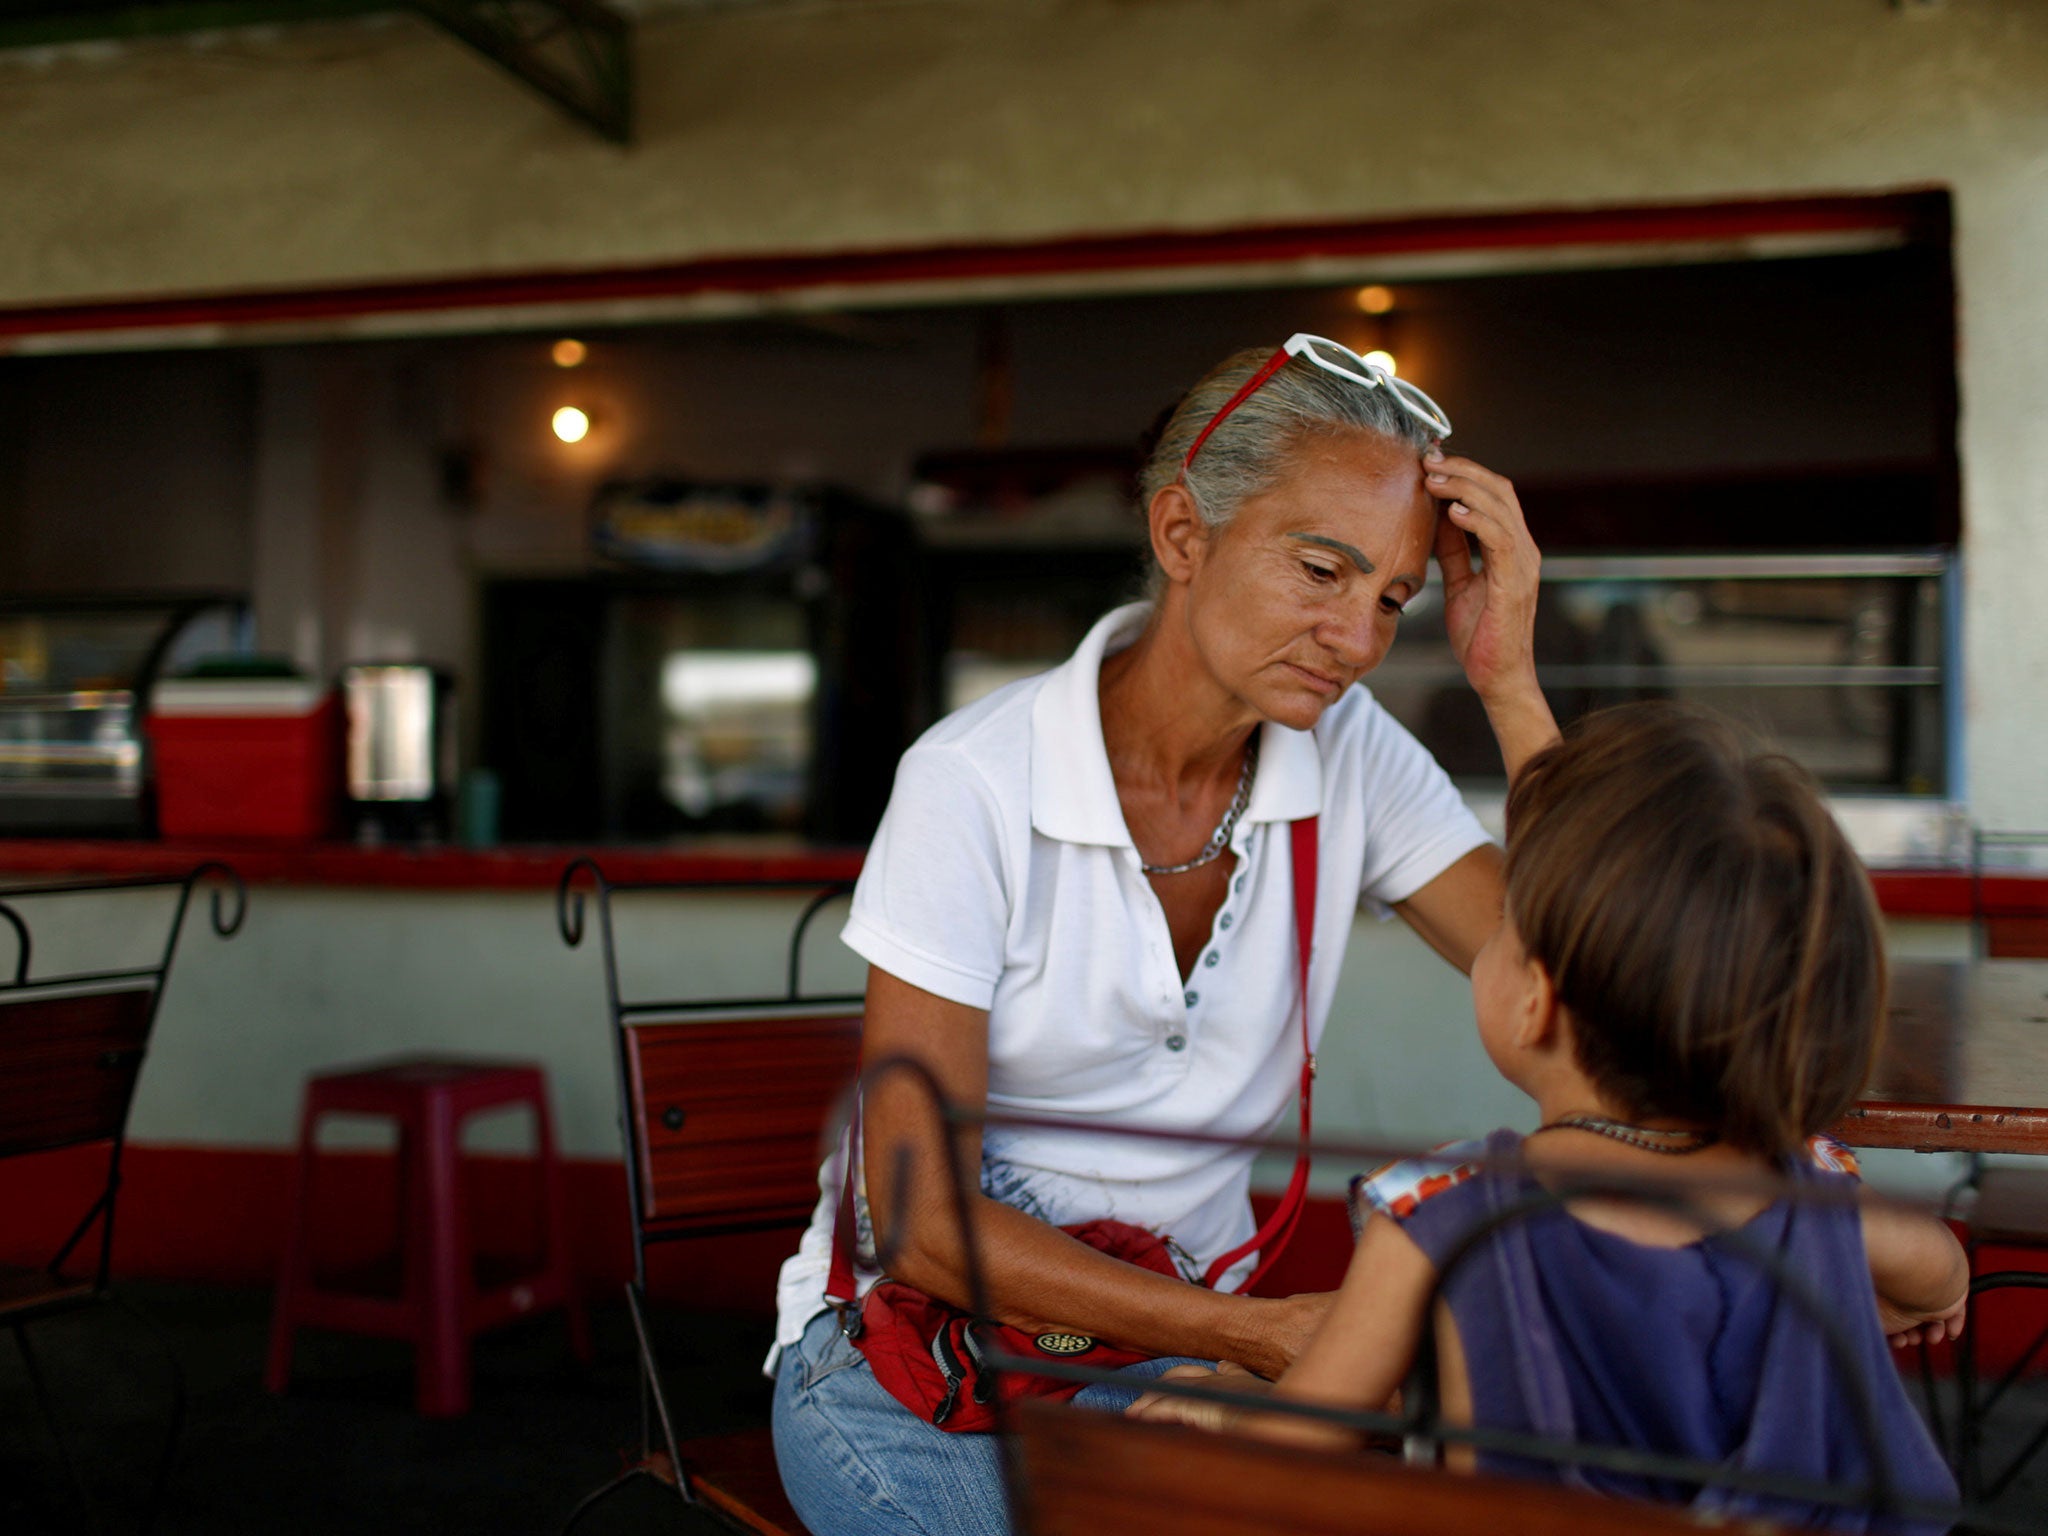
point(343, 153)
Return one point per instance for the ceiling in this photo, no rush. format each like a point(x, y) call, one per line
point(577, 53)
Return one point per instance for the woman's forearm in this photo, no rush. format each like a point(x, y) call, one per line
point(1522, 722)
point(1038, 1277)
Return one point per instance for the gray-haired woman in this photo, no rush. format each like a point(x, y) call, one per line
point(1080, 905)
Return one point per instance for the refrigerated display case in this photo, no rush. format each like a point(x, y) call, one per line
point(1843, 659)
point(690, 695)
point(75, 681)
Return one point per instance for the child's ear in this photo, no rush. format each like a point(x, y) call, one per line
point(1539, 1023)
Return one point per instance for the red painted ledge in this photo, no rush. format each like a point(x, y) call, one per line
point(1938, 893)
point(1946, 893)
point(436, 868)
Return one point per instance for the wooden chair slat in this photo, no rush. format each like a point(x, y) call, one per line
point(32, 1290)
point(1082, 1473)
point(729, 1115)
point(68, 1066)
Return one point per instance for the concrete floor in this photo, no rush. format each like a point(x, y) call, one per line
point(343, 1452)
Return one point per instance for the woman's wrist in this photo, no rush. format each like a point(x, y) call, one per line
point(1521, 719)
point(1264, 1334)
point(1510, 690)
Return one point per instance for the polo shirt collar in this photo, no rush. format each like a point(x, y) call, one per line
point(1289, 785)
point(1073, 796)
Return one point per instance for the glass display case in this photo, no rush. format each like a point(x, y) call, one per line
point(75, 678)
point(717, 697)
point(1842, 659)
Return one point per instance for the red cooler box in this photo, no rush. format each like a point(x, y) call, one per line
point(246, 757)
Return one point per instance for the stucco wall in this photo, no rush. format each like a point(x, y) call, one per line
point(328, 153)
point(380, 150)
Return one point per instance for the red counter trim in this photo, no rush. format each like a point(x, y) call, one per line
point(1946, 893)
point(1902, 893)
point(427, 868)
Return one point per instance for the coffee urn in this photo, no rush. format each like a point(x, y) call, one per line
point(401, 751)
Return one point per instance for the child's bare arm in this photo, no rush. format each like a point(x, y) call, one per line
point(1919, 1269)
point(1356, 1360)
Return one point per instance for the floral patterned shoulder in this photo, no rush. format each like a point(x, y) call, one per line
point(1832, 1156)
point(1396, 1189)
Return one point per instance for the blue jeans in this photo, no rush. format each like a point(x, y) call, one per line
point(855, 1462)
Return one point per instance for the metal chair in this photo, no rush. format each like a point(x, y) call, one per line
point(723, 1103)
point(71, 1049)
point(1074, 1471)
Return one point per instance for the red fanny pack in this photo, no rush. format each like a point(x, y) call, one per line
point(931, 1355)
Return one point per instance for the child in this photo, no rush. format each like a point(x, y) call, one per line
point(1688, 980)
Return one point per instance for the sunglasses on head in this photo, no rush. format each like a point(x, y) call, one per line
point(1331, 357)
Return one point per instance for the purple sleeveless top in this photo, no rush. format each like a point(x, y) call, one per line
point(1577, 1334)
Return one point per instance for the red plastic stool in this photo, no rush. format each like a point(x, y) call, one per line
point(441, 1303)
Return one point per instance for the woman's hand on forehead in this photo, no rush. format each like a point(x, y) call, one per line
point(1489, 607)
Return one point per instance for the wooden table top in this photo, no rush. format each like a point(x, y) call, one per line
point(1965, 1061)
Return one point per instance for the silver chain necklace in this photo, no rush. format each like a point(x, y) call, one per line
point(1220, 838)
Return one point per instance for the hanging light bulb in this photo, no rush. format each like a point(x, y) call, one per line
point(571, 425)
point(1375, 298)
point(569, 352)
point(1379, 357)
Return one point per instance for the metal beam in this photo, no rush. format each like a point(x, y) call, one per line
point(577, 53)
point(44, 23)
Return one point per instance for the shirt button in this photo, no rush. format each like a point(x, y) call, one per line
point(1211, 958)
point(1238, 883)
point(1191, 997)
point(1226, 920)
point(1176, 1042)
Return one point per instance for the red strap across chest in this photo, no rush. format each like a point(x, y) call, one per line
point(1272, 1238)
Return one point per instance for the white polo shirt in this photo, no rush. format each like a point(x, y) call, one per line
point(1003, 877)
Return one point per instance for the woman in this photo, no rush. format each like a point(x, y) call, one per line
point(1079, 904)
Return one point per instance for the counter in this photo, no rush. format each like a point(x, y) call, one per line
point(518, 867)
point(1939, 893)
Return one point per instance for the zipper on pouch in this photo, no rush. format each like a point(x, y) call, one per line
point(949, 1371)
point(984, 1378)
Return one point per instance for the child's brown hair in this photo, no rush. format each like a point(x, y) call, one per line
point(1703, 919)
